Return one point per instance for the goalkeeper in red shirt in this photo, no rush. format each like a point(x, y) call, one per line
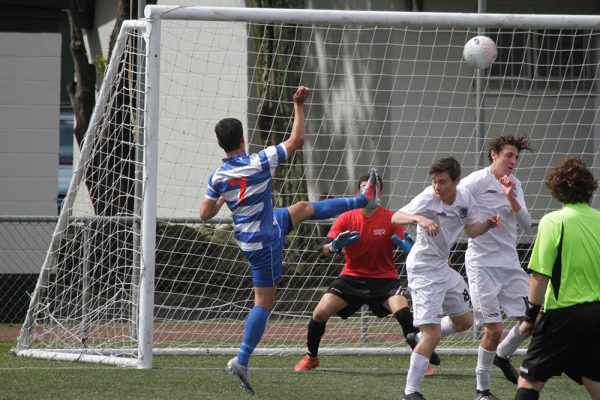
point(367, 238)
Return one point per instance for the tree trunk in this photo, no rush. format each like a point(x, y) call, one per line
point(275, 71)
point(110, 174)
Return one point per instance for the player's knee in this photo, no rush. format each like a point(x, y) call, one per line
point(463, 323)
point(322, 314)
point(300, 212)
point(493, 333)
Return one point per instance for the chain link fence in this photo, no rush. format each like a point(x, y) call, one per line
point(24, 242)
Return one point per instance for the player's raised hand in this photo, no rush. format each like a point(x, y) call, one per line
point(301, 94)
point(431, 227)
point(508, 185)
point(343, 240)
point(406, 244)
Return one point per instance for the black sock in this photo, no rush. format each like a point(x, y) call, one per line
point(405, 319)
point(313, 339)
point(527, 394)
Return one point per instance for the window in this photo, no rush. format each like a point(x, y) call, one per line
point(65, 154)
point(544, 59)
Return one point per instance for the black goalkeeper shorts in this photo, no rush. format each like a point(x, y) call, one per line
point(370, 291)
point(565, 340)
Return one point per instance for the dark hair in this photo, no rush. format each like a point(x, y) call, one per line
point(446, 164)
point(497, 144)
point(229, 133)
point(365, 178)
point(571, 181)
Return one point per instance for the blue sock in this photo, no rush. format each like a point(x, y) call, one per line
point(329, 208)
point(253, 331)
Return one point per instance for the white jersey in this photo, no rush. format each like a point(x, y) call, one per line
point(429, 255)
point(496, 247)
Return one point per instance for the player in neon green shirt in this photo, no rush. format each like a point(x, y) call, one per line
point(565, 276)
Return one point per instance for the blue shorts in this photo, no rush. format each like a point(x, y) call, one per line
point(267, 263)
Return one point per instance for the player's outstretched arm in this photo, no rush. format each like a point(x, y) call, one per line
point(296, 139)
point(401, 218)
point(209, 208)
point(479, 228)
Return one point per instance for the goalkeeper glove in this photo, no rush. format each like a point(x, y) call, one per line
point(343, 240)
point(406, 244)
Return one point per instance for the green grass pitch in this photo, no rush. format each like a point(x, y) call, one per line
point(204, 377)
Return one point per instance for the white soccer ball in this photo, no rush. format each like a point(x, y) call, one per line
point(480, 52)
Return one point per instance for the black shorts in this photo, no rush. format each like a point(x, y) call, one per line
point(358, 291)
point(565, 340)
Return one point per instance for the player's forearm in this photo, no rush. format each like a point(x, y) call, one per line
point(401, 218)
point(477, 229)
point(523, 218)
point(327, 252)
point(209, 208)
point(537, 288)
point(296, 139)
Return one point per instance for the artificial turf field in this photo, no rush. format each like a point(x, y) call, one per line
point(204, 377)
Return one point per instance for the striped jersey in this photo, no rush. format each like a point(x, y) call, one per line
point(244, 181)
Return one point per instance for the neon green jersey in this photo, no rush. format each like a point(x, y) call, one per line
point(567, 250)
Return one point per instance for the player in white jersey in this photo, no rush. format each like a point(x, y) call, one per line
point(243, 182)
point(497, 282)
point(441, 212)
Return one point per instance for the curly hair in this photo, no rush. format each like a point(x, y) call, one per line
point(446, 164)
point(497, 144)
point(571, 181)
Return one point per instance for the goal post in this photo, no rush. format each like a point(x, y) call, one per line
point(132, 271)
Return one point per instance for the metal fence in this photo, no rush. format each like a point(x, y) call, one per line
point(23, 245)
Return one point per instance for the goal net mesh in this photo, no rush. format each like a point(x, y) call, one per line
point(393, 97)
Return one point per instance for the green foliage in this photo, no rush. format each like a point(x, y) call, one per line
point(204, 377)
point(100, 63)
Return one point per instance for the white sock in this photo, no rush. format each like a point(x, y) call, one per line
point(485, 359)
point(511, 342)
point(418, 365)
point(447, 328)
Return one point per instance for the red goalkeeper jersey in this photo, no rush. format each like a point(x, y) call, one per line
point(373, 255)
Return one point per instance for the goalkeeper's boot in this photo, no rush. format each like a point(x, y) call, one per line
point(510, 373)
point(413, 396)
point(411, 339)
point(241, 373)
point(307, 363)
point(371, 191)
point(484, 395)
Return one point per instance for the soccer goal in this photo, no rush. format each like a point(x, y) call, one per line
point(132, 271)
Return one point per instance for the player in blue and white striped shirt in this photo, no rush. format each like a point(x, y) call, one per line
point(243, 182)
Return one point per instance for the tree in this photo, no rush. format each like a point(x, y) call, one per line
point(111, 187)
point(278, 66)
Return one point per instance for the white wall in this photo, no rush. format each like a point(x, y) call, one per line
point(29, 111)
point(29, 115)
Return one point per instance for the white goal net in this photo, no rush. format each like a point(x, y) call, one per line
point(132, 269)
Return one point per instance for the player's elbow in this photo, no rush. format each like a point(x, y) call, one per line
point(206, 213)
point(298, 142)
point(204, 216)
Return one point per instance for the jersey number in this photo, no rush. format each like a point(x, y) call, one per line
point(241, 182)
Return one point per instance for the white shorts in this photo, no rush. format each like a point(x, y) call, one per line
point(434, 298)
point(495, 290)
